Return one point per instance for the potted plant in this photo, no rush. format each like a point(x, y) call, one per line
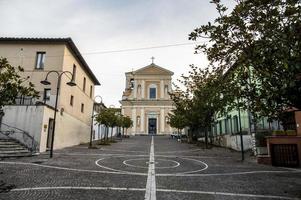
point(291, 132)
point(279, 132)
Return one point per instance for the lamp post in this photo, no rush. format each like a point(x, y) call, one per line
point(46, 82)
point(93, 107)
point(240, 133)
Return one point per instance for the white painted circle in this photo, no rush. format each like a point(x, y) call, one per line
point(205, 166)
point(176, 164)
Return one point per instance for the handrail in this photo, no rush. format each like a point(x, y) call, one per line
point(14, 133)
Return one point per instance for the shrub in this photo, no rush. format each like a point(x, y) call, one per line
point(291, 132)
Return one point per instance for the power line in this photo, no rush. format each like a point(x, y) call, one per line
point(116, 51)
point(138, 49)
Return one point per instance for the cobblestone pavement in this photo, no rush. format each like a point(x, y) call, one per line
point(122, 171)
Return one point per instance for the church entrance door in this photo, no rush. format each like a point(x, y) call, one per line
point(152, 126)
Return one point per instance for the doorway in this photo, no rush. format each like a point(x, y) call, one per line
point(50, 131)
point(152, 126)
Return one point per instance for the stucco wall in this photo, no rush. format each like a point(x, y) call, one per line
point(27, 118)
point(58, 57)
point(70, 131)
point(233, 141)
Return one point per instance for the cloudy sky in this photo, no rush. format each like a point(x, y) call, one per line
point(99, 27)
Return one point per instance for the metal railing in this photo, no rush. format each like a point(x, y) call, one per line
point(25, 100)
point(23, 137)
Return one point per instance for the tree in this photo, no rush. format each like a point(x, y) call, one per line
point(12, 84)
point(201, 99)
point(127, 123)
point(120, 119)
point(262, 41)
point(177, 120)
point(112, 119)
point(104, 118)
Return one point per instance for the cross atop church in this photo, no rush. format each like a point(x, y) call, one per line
point(153, 58)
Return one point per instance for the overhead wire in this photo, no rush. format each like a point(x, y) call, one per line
point(116, 51)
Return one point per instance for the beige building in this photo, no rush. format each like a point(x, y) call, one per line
point(146, 100)
point(38, 56)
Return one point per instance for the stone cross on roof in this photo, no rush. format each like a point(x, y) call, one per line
point(153, 58)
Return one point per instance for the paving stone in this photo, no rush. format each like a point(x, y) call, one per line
point(183, 171)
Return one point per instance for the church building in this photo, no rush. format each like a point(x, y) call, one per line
point(146, 100)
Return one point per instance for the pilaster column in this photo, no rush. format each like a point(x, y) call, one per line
point(162, 120)
point(161, 89)
point(134, 118)
point(135, 89)
point(142, 115)
point(143, 89)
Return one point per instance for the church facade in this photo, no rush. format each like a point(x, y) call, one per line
point(146, 100)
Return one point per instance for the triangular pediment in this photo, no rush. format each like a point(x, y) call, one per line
point(153, 69)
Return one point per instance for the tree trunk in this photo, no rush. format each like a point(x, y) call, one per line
point(1, 116)
point(206, 138)
point(107, 133)
point(112, 133)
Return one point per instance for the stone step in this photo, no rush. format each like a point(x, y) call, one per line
point(4, 155)
point(11, 148)
point(14, 151)
point(10, 145)
point(8, 142)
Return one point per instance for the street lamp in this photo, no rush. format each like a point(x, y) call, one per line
point(240, 133)
point(93, 107)
point(46, 82)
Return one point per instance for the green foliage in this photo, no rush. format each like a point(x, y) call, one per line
point(291, 132)
point(258, 44)
point(127, 122)
point(107, 117)
point(177, 121)
point(279, 132)
point(12, 84)
point(203, 96)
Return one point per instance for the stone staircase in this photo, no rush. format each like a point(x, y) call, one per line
point(11, 148)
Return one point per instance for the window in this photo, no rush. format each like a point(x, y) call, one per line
point(74, 72)
point(71, 100)
point(152, 93)
point(235, 124)
point(220, 127)
point(47, 94)
point(40, 60)
point(226, 126)
point(91, 91)
point(138, 120)
point(82, 108)
point(84, 84)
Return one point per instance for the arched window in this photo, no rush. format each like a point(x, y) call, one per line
point(152, 91)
